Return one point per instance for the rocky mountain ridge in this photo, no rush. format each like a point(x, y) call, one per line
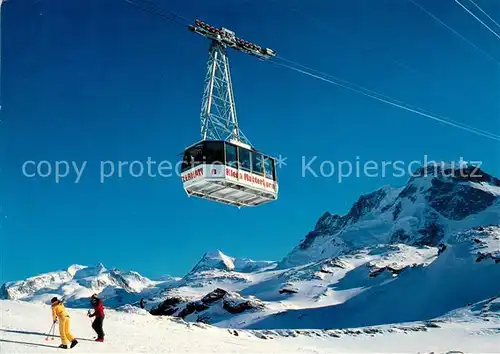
point(440, 232)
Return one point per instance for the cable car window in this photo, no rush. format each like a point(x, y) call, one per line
point(245, 157)
point(192, 157)
point(257, 165)
point(231, 157)
point(213, 152)
point(268, 167)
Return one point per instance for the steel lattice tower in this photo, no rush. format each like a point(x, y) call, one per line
point(218, 110)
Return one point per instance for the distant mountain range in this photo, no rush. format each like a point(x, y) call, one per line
point(400, 254)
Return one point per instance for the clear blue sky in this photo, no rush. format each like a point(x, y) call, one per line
point(100, 80)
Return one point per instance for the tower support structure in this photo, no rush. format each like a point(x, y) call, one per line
point(218, 110)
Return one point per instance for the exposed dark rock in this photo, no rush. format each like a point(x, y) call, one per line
point(371, 330)
point(232, 303)
point(186, 311)
point(168, 307)
point(332, 263)
point(240, 307)
point(483, 256)
point(260, 335)
point(395, 271)
point(325, 270)
point(432, 234)
point(431, 324)
point(377, 271)
point(365, 204)
point(192, 307)
point(4, 294)
point(472, 174)
point(408, 192)
point(399, 236)
point(213, 296)
point(288, 291)
point(387, 207)
point(397, 211)
point(448, 199)
point(324, 221)
point(443, 194)
point(203, 318)
point(329, 224)
point(310, 237)
point(199, 306)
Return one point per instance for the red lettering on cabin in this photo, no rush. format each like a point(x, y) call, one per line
point(250, 178)
point(193, 174)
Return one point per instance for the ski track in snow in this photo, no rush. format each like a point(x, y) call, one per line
point(23, 327)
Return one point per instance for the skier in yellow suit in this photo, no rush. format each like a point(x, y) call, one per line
point(60, 313)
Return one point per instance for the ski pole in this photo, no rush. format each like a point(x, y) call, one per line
point(53, 331)
point(50, 331)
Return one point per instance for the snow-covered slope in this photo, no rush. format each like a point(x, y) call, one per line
point(412, 253)
point(435, 203)
point(374, 285)
point(455, 278)
point(398, 248)
point(24, 328)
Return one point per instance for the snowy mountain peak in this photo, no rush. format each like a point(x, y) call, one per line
point(77, 283)
point(437, 200)
point(463, 172)
point(214, 260)
point(75, 268)
point(217, 260)
point(100, 268)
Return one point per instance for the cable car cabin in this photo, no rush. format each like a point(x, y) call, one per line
point(229, 172)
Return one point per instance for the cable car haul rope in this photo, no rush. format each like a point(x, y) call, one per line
point(223, 166)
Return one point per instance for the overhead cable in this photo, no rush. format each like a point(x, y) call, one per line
point(155, 10)
point(339, 82)
point(485, 13)
point(478, 19)
point(346, 36)
point(454, 31)
point(382, 95)
point(388, 100)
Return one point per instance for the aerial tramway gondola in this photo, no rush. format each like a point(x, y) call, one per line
point(223, 166)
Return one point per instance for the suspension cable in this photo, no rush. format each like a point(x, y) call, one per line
point(361, 88)
point(454, 31)
point(477, 18)
point(485, 13)
point(342, 34)
point(386, 99)
point(155, 10)
point(178, 19)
